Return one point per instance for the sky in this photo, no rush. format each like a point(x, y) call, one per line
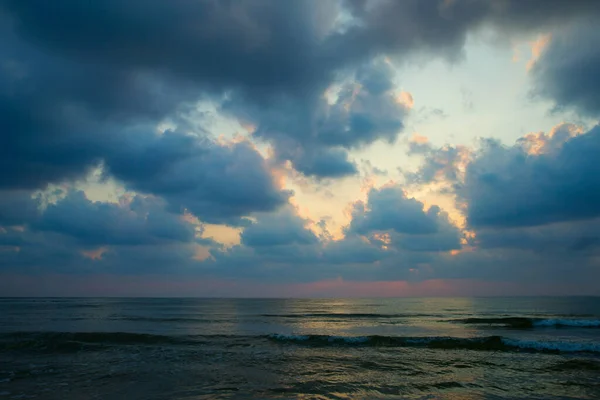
point(302, 148)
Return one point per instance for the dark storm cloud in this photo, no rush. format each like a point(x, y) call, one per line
point(572, 237)
point(446, 238)
point(442, 26)
point(62, 117)
point(354, 249)
point(280, 246)
point(250, 44)
point(567, 71)
point(316, 135)
point(276, 246)
point(324, 163)
point(84, 84)
point(532, 206)
point(75, 96)
point(75, 75)
point(280, 228)
point(276, 42)
point(506, 186)
point(439, 28)
point(170, 258)
point(541, 179)
point(17, 207)
point(409, 226)
point(217, 183)
point(58, 125)
point(89, 223)
point(365, 110)
point(59, 116)
point(144, 221)
point(74, 234)
point(388, 208)
point(516, 265)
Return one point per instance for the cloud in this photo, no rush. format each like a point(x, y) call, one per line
point(70, 88)
point(219, 183)
point(541, 179)
point(61, 116)
point(141, 221)
point(366, 110)
point(74, 234)
point(439, 164)
point(276, 229)
point(508, 186)
point(75, 96)
point(316, 134)
point(532, 208)
point(324, 163)
point(354, 250)
point(17, 207)
point(241, 43)
point(396, 222)
point(388, 208)
point(281, 247)
point(400, 27)
point(71, 91)
point(537, 47)
point(567, 70)
point(570, 239)
point(136, 220)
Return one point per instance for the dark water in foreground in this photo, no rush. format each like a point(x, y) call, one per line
point(526, 348)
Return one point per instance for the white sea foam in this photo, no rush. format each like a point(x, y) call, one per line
point(279, 336)
point(349, 339)
point(582, 323)
point(567, 347)
point(475, 343)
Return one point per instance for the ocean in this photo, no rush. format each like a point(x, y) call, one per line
point(192, 349)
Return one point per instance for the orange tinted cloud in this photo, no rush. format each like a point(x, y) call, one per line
point(406, 99)
point(537, 48)
point(95, 254)
point(416, 138)
point(201, 253)
point(222, 233)
point(537, 143)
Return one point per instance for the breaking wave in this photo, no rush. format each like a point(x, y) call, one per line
point(579, 323)
point(488, 343)
point(347, 315)
point(528, 323)
point(96, 341)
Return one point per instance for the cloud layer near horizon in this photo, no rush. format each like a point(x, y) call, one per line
point(312, 82)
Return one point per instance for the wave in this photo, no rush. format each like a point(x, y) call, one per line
point(77, 341)
point(576, 365)
point(134, 318)
point(579, 323)
point(348, 315)
point(528, 323)
point(95, 341)
point(488, 343)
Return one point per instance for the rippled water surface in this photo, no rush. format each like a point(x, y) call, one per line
point(514, 348)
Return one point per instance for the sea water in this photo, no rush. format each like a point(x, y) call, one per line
point(418, 348)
